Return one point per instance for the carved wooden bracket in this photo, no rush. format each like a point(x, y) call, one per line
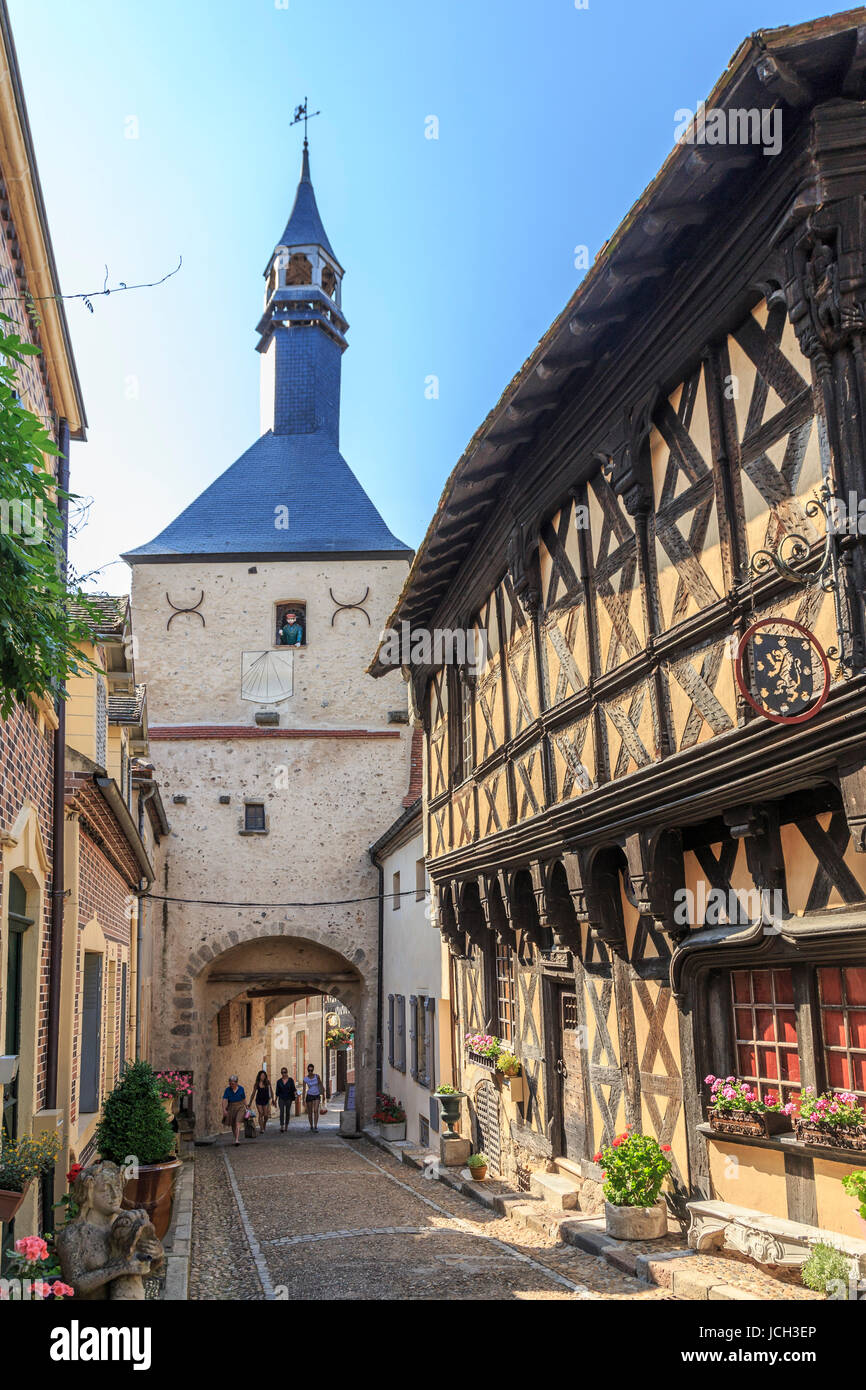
point(451, 933)
point(655, 871)
point(594, 902)
point(521, 558)
point(852, 784)
point(758, 827)
point(628, 469)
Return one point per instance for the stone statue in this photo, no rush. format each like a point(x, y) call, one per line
point(105, 1252)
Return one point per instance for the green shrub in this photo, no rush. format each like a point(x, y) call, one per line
point(826, 1266)
point(479, 1160)
point(134, 1123)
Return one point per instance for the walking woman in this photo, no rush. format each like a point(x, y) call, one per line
point(234, 1105)
point(313, 1096)
point(286, 1092)
point(264, 1097)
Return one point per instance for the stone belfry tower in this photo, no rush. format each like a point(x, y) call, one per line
point(256, 611)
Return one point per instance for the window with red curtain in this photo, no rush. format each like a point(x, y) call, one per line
point(842, 996)
point(765, 1030)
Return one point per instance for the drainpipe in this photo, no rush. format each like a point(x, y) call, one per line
point(57, 814)
point(380, 997)
point(139, 926)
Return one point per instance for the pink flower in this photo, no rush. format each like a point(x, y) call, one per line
point(709, 1080)
point(789, 1108)
point(61, 1290)
point(40, 1288)
point(32, 1248)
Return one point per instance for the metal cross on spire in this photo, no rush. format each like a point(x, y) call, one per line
point(303, 114)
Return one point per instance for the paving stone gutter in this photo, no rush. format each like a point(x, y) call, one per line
point(177, 1242)
point(667, 1263)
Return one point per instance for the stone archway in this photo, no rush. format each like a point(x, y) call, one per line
point(264, 970)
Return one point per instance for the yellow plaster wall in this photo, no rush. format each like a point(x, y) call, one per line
point(749, 1177)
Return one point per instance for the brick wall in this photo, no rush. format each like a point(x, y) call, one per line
point(416, 768)
point(26, 774)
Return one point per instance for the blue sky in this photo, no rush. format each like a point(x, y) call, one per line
point(458, 251)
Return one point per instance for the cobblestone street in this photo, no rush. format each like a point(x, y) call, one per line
point(302, 1216)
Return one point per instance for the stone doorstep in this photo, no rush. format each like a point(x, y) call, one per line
point(556, 1190)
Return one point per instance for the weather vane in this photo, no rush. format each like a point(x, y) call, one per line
point(303, 114)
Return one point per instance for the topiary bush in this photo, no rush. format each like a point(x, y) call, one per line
point(134, 1123)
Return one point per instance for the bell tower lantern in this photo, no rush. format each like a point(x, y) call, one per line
point(302, 331)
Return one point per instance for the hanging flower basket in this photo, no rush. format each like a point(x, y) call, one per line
point(340, 1039)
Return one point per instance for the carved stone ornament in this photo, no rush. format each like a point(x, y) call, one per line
point(105, 1252)
point(769, 1240)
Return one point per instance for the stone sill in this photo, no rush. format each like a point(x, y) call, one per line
point(787, 1143)
point(254, 832)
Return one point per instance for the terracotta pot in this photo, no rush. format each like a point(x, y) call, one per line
point(479, 1172)
point(636, 1223)
point(153, 1189)
point(752, 1126)
point(10, 1202)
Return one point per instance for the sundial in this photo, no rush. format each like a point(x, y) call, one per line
point(267, 677)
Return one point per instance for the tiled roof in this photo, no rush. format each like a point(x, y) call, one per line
point(126, 707)
point(328, 509)
point(110, 612)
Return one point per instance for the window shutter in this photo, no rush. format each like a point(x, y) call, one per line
point(401, 1033)
point(413, 1037)
point(101, 719)
point(429, 1034)
point(390, 1030)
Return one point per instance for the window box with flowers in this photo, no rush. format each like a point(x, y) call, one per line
point(22, 1160)
point(390, 1117)
point(736, 1108)
point(834, 1120)
point(634, 1167)
point(482, 1050)
point(340, 1039)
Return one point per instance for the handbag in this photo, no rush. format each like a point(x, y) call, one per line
point(249, 1128)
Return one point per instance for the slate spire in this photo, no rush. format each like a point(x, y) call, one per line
point(296, 464)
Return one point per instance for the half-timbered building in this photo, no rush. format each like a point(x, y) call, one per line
point(647, 853)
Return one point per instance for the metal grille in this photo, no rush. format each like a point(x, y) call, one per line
point(523, 1176)
point(487, 1116)
point(424, 1130)
point(254, 816)
point(569, 1011)
point(224, 1026)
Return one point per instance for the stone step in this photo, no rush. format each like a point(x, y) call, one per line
point(555, 1190)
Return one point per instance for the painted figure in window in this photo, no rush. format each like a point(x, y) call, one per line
point(290, 633)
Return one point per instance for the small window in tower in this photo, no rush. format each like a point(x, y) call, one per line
point(329, 280)
point(299, 271)
point(254, 816)
point(291, 629)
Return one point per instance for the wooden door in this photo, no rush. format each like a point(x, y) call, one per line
point(569, 1130)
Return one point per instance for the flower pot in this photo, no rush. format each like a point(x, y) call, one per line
point(10, 1202)
point(449, 1110)
point(393, 1132)
point(153, 1190)
point(636, 1223)
point(479, 1172)
point(752, 1126)
point(831, 1136)
point(171, 1105)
